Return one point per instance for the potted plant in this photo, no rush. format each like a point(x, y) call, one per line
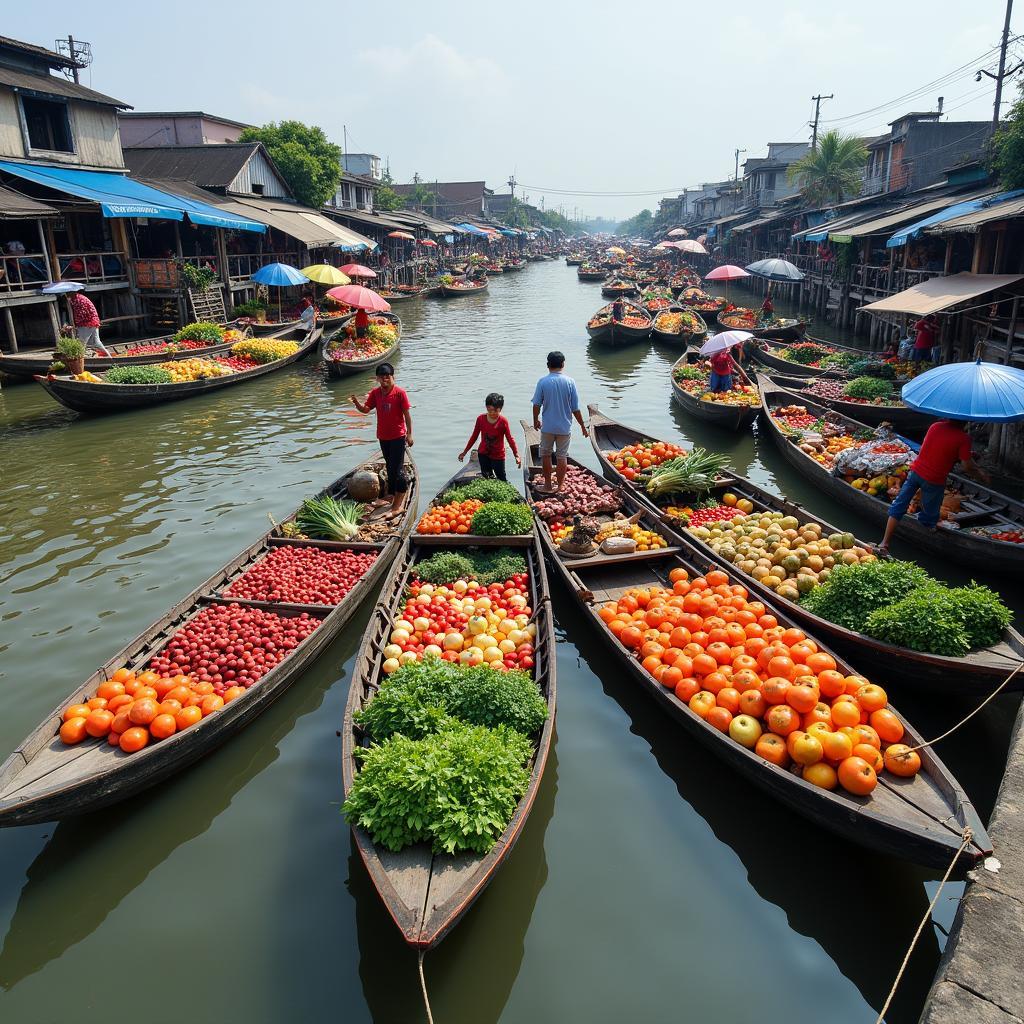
point(72, 354)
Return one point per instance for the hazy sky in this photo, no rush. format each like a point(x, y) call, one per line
point(608, 98)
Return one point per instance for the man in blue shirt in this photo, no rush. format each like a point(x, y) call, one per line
point(555, 398)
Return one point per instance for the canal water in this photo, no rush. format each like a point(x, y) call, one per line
point(651, 884)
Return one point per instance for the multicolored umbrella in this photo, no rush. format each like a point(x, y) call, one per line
point(982, 392)
point(358, 297)
point(358, 270)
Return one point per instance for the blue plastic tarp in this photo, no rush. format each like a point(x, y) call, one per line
point(957, 210)
point(471, 229)
point(818, 236)
point(119, 196)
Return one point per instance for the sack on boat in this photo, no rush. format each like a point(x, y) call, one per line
point(618, 545)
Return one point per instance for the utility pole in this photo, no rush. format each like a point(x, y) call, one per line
point(74, 70)
point(817, 115)
point(1002, 74)
point(512, 186)
point(736, 171)
point(344, 148)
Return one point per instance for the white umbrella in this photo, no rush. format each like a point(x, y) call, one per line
point(677, 233)
point(724, 340)
point(689, 245)
point(60, 287)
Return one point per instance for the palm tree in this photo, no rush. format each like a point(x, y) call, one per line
point(831, 172)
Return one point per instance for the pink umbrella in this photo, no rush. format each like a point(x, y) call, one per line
point(357, 270)
point(428, 242)
point(677, 233)
point(727, 272)
point(402, 234)
point(357, 296)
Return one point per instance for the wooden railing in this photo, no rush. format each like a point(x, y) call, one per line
point(23, 272)
point(93, 267)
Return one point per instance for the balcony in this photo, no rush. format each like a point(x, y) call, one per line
point(24, 272)
point(29, 271)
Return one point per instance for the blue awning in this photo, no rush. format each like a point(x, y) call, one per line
point(956, 210)
point(817, 236)
point(471, 229)
point(119, 196)
point(507, 232)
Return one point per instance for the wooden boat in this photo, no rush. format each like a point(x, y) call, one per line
point(28, 365)
point(451, 291)
point(83, 396)
point(980, 506)
point(427, 893)
point(347, 367)
point(398, 296)
point(573, 261)
point(698, 301)
point(790, 329)
point(606, 331)
point(919, 819)
point(975, 674)
point(614, 289)
point(903, 419)
point(494, 268)
point(683, 336)
point(261, 330)
point(44, 780)
point(731, 417)
point(595, 274)
point(766, 356)
point(513, 265)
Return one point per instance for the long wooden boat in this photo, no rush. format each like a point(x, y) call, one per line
point(976, 674)
point(613, 332)
point(597, 274)
point(44, 780)
point(261, 330)
point(617, 289)
point(682, 337)
point(573, 261)
point(427, 893)
point(28, 365)
point(513, 265)
point(452, 291)
point(920, 819)
point(347, 367)
point(83, 396)
point(791, 328)
point(764, 355)
point(980, 505)
point(903, 419)
point(731, 417)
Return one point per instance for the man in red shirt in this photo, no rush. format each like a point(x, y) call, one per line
point(362, 322)
point(722, 367)
point(492, 428)
point(945, 444)
point(927, 332)
point(394, 430)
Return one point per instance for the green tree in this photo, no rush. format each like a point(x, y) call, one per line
point(387, 198)
point(308, 160)
point(1007, 149)
point(420, 196)
point(642, 224)
point(833, 171)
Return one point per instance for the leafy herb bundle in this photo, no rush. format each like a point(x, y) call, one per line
point(482, 490)
point(502, 518)
point(137, 375)
point(869, 388)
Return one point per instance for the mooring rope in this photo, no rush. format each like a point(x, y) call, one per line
point(999, 689)
point(967, 836)
point(423, 989)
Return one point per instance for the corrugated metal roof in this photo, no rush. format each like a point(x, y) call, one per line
point(15, 205)
point(57, 60)
point(975, 221)
point(882, 225)
point(308, 226)
point(421, 220)
point(51, 85)
point(212, 166)
point(362, 217)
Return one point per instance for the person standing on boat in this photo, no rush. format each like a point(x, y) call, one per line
point(767, 307)
point(618, 309)
point(307, 313)
point(394, 430)
point(945, 444)
point(556, 403)
point(362, 323)
point(87, 321)
point(927, 332)
point(493, 429)
point(722, 367)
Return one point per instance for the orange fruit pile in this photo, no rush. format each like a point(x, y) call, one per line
point(766, 686)
point(453, 518)
point(635, 458)
point(129, 710)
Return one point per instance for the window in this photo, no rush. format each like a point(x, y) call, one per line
point(257, 190)
point(47, 125)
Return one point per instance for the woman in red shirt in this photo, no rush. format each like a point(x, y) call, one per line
point(492, 428)
point(722, 367)
point(394, 430)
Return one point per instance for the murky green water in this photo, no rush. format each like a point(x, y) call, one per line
point(650, 883)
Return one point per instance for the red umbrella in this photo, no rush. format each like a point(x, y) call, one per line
point(359, 297)
point(727, 272)
point(428, 241)
point(357, 270)
point(402, 234)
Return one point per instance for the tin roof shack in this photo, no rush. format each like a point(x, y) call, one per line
point(48, 121)
point(355, 192)
point(176, 128)
point(448, 200)
point(765, 180)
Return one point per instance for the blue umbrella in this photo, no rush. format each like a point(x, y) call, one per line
point(280, 274)
point(776, 270)
point(983, 392)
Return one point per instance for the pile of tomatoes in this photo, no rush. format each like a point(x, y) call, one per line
point(129, 710)
point(634, 458)
point(302, 575)
point(795, 417)
point(229, 645)
point(453, 518)
point(767, 687)
point(466, 623)
point(712, 514)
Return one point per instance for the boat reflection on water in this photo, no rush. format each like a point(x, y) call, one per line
point(471, 973)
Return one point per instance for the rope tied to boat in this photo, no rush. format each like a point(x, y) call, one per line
point(423, 988)
point(967, 836)
point(995, 693)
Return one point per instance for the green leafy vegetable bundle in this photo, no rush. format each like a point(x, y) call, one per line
point(693, 473)
point(202, 330)
point(868, 388)
point(805, 352)
point(689, 373)
point(329, 519)
point(502, 518)
point(486, 567)
point(456, 789)
point(482, 490)
point(415, 698)
point(852, 592)
point(137, 375)
point(872, 368)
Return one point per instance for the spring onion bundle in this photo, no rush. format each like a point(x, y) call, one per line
point(329, 519)
point(691, 473)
